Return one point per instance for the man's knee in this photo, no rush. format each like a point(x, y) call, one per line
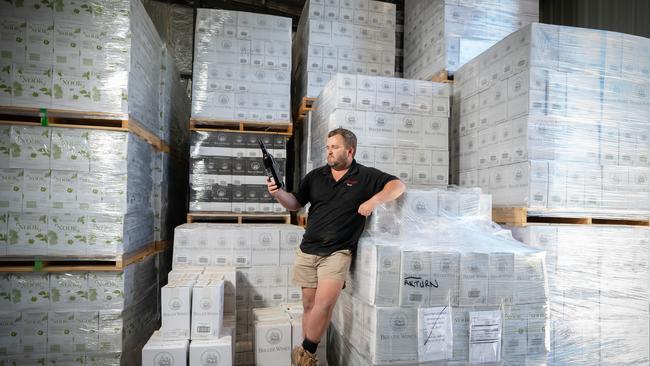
point(307, 305)
point(308, 297)
point(324, 306)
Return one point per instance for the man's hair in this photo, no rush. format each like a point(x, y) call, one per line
point(349, 138)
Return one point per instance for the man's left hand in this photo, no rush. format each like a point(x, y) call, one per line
point(367, 207)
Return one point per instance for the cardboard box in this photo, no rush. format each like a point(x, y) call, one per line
point(273, 342)
point(165, 351)
point(176, 302)
point(217, 351)
point(207, 309)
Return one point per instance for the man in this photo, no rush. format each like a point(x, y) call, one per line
point(342, 194)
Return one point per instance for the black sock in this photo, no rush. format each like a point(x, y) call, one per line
point(309, 346)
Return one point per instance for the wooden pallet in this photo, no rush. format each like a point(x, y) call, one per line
point(443, 77)
point(306, 105)
point(239, 218)
point(62, 264)
point(79, 119)
point(275, 128)
point(520, 216)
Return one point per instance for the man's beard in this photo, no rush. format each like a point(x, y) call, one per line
point(337, 163)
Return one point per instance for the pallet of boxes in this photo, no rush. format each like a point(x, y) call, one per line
point(240, 98)
point(445, 286)
point(229, 299)
point(559, 137)
point(86, 159)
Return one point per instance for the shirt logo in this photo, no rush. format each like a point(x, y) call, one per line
point(351, 182)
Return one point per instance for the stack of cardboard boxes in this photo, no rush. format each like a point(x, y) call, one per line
point(80, 57)
point(196, 323)
point(86, 194)
point(401, 125)
point(261, 256)
point(444, 287)
point(551, 128)
point(599, 299)
point(242, 67)
point(227, 171)
point(559, 129)
point(78, 318)
point(442, 35)
point(342, 36)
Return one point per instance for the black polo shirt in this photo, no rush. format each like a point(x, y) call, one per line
point(334, 222)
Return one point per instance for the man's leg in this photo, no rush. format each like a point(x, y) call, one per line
point(321, 312)
point(308, 297)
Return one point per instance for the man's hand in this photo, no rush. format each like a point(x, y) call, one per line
point(367, 207)
point(272, 187)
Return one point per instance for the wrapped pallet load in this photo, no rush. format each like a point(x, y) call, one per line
point(346, 36)
point(435, 282)
point(440, 36)
point(544, 123)
point(598, 290)
point(401, 126)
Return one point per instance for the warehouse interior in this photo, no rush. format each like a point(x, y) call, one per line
point(139, 141)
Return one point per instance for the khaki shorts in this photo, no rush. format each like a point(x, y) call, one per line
point(309, 268)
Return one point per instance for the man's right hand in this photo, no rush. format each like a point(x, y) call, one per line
point(272, 187)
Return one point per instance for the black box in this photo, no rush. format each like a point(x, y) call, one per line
point(255, 166)
point(238, 166)
point(238, 193)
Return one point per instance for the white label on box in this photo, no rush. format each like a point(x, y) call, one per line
point(435, 341)
point(484, 336)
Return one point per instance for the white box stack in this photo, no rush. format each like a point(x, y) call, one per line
point(544, 126)
point(444, 261)
point(258, 256)
point(401, 125)
point(598, 290)
point(78, 318)
point(277, 330)
point(82, 59)
point(442, 35)
point(73, 192)
point(242, 67)
point(342, 36)
point(227, 172)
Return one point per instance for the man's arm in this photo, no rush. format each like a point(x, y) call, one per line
point(391, 191)
point(286, 199)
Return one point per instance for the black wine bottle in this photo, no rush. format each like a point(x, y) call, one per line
point(271, 166)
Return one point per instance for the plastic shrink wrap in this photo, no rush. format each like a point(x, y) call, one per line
point(242, 67)
point(435, 282)
point(542, 122)
point(78, 318)
point(598, 292)
point(169, 194)
point(227, 172)
point(174, 24)
point(346, 36)
point(401, 125)
point(81, 57)
point(74, 192)
point(441, 36)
